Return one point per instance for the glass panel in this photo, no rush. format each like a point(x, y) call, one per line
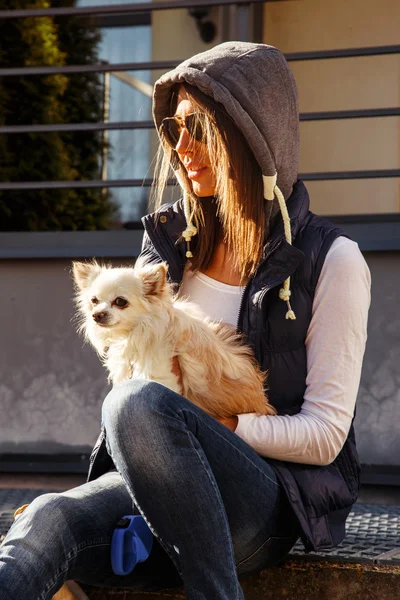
point(128, 155)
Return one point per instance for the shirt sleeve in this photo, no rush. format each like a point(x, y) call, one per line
point(335, 345)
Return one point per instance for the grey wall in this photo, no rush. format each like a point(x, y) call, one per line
point(52, 386)
point(378, 407)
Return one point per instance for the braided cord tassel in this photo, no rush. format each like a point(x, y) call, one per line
point(284, 292)
point(190, 230)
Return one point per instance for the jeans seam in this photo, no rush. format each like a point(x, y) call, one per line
point(244, 560)
point(73, 554)
point(84, 545)
point(233, 446)
point(269, 539)
point(216, 489)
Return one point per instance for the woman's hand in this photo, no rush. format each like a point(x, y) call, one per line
point(229, 422)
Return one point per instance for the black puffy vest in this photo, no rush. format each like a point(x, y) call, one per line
point(321, 496)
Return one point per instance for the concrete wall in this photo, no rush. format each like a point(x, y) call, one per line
point(340, 84)
point(52, 386)
point(378, 406)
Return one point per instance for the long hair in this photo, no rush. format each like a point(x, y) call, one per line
point(236, 214)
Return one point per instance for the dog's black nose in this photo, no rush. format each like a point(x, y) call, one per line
point(99, 316)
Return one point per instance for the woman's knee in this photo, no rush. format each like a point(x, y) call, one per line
point(46, 518)
point(133, 403)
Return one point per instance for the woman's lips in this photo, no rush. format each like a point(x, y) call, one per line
point(194, 173)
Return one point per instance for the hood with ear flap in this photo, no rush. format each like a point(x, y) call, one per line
point(255, 85)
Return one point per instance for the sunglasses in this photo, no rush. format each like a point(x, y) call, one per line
point(171, 128)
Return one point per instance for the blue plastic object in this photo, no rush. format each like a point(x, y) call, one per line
point(131, 543)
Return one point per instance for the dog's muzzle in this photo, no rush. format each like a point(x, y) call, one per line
point(100, 317)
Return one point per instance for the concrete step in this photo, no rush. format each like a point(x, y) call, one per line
point(296, 580)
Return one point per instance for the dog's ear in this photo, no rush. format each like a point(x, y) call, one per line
point(154, 278)
point(85, 273)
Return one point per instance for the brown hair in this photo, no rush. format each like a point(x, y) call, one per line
point(236, 214)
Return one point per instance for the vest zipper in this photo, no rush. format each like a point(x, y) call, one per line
point(251, 279)
point(238, 328)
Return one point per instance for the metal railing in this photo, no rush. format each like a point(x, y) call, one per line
point(165, 65)
point(119, 8)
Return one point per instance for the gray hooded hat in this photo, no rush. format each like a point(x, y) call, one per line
point(257, 89)
point(255, 85)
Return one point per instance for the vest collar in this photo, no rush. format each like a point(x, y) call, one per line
point(298, 205)
point(280, 259)
point(165, 228)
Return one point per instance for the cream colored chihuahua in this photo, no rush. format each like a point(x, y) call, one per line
point(138, 326)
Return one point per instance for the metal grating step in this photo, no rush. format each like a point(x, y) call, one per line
point(373, 530)
point(372, 536)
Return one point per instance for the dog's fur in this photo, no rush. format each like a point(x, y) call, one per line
point(140, 339)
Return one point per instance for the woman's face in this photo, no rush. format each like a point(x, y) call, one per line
point(193, 154)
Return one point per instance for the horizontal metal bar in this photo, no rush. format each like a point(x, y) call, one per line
point(350, 114)
point(350, 175)
point(343, 53)
point(70, 127)
point(116, 8)
point(114, 183)
point(58, 185)
point(162, 65)
point(105, 21)
point(171, 64)
point(122, 125)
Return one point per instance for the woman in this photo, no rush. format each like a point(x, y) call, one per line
point(231, 497)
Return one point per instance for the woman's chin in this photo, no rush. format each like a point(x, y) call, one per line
point(203, 191)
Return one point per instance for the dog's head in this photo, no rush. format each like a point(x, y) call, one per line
point(113, 300)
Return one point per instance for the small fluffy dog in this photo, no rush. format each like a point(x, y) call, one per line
point(138, 326)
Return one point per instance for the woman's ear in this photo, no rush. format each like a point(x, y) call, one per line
point(84, 273)
point(154, 279)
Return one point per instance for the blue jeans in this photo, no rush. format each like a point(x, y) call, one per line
point(215, 507)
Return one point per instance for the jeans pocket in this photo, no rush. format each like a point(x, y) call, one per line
point(272, 551)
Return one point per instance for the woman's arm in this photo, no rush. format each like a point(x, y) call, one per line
point(335, 346)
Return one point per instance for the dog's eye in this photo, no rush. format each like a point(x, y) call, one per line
point(94, 300)
point(120, 302)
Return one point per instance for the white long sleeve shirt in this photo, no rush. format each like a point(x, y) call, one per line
point(335, 345)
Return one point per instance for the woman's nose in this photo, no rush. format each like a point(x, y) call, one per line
point(184, 142)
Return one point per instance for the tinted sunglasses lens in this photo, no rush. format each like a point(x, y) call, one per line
point(171, 131)
point(194, 127)
point(171, 128)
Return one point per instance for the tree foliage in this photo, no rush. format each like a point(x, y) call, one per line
point(42, 41)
